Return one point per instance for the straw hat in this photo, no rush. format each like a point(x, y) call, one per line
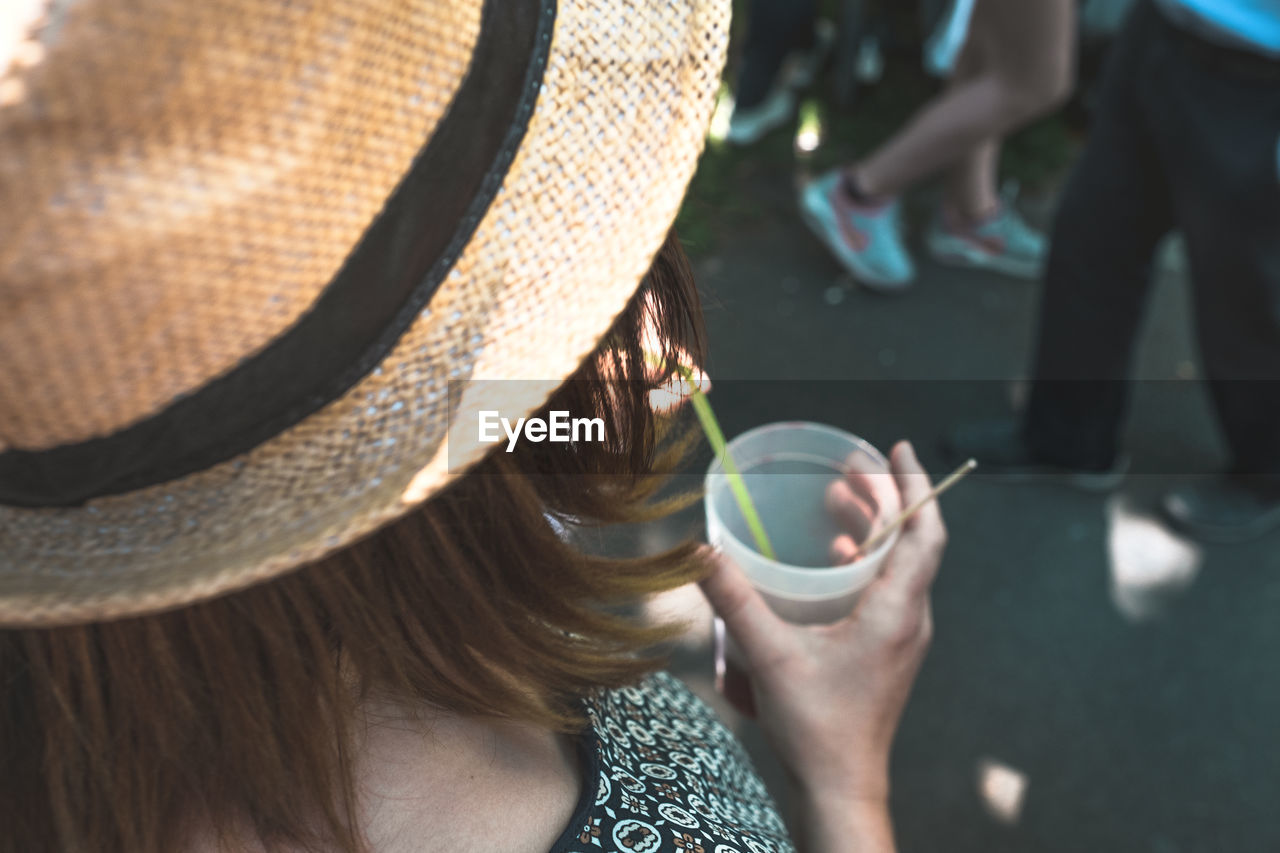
point(245, 246)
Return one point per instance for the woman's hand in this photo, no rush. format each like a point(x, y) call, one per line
point(829, 697)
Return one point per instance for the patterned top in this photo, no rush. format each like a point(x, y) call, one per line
point(663, 775)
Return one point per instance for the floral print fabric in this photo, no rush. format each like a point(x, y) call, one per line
point(663, 775)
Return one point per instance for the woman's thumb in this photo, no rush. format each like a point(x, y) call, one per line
point(753, 625)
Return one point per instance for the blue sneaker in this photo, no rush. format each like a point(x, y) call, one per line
point(749, 126)
point(867, 241)
point(1004, 243)
point(799, 71)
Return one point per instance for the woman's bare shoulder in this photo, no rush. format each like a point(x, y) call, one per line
point(447, 784)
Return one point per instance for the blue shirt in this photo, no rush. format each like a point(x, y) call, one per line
point(1251, 24)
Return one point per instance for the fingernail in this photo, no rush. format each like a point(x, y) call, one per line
point(711, 555)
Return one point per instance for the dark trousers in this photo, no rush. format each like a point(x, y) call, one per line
point(1186, 137)
point(776, 28)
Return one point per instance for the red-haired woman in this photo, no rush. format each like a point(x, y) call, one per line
point(262, 589)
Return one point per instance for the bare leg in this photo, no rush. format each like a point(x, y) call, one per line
point(1026, 55)
point(970, 195)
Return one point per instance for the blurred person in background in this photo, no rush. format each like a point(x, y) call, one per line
point(260, 587)
point(1187, 137)
point(1016, 64)
point(785, 48)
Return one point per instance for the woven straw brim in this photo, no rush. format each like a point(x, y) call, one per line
point(618, 126)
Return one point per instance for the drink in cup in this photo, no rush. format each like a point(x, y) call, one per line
point(787, 469)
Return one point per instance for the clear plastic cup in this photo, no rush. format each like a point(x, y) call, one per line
point(787, 469)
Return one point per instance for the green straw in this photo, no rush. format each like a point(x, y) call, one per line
point(710, 426)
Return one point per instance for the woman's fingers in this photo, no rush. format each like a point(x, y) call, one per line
point(757, 630)
point(867, 475)
point(861, 501)
point(843, 550)
point(914, 561)
point(852, 510)
point(914, 484)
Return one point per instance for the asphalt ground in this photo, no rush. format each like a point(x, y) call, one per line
point(1097, 682)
